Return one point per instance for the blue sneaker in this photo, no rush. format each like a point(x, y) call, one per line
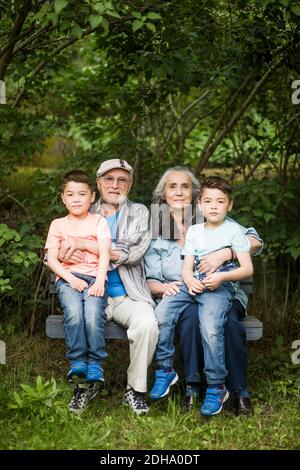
point(77, 371)
point(214, 400)
point(94, 372)
point(163, 382)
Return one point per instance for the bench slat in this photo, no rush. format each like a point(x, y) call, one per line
point(55, 328)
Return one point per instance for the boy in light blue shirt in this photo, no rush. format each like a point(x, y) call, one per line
point(213, 293)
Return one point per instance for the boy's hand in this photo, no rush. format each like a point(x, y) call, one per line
point(194, 286)
point(76, 283)
point(97, 289)
point(171, 288)
point(213, 281)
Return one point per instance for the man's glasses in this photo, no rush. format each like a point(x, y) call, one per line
point(110, 180)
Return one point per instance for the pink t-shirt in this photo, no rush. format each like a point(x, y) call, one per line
point(93, 227)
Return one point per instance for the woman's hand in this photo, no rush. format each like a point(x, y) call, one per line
point(214, 260)
point(194, 286)
point(171, 288)
point(97, 289)
point(213, 281)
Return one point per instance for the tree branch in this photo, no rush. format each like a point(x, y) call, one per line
point(268, 147)
point(221, 119)
point(179, 119)
point(6, 56)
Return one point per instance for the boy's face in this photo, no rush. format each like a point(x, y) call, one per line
point(77, 197)
point(214, 205)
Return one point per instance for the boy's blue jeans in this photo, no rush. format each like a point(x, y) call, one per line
point(213, 307)
point(84, 320)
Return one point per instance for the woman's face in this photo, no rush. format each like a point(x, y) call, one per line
point(178, 190)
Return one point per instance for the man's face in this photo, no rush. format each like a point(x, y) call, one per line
point(114, 186)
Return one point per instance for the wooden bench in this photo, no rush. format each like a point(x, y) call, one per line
point(55, 324)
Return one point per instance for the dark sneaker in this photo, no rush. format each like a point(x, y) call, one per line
point(214, 400)
point(191, 396)
point(94, 372)
point(82, 395)
point(77, 372)
point(136, 401)
point(163, 381)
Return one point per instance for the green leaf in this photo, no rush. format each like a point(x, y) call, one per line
point(153, 16)
point(137, 15)
point(95, 20)
point(53, 18)
point(59, 5)
point(151, 26)
point(113, 13)
point(105, 25)
point(137, 24)
point(77, 31)
point(18, 399)
point(296, 10)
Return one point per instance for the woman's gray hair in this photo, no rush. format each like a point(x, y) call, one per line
point(158, 193)
point(163, 224)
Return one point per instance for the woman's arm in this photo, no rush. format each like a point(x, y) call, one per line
point(214, 260)
point(213, 280)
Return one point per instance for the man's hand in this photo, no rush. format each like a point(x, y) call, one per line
point(70, 253)
point(97, 289)
point(114, 255)
point(76, 283)
point(213, 281)
point(214, 260)
point(194, 286)
point(171, 288)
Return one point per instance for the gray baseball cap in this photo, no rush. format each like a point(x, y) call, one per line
point(112, 164)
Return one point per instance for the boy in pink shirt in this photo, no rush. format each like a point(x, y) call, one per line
point(81, 287)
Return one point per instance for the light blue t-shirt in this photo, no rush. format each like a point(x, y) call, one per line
point(115, 286)
point(200, 240)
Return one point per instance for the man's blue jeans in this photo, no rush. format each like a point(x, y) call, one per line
point(213, 307)
point(84, 320)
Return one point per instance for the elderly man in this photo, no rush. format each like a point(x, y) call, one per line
point(129, 300)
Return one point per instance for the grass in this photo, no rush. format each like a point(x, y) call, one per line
point(108, 425)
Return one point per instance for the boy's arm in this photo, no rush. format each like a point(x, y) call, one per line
point(194, 286)
point(104, 247)
point(59, 270)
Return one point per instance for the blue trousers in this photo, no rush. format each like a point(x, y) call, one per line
point(213, 307)
point(84, 320)
point(191, 348)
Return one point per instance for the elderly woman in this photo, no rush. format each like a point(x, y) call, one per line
point(175, 208)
